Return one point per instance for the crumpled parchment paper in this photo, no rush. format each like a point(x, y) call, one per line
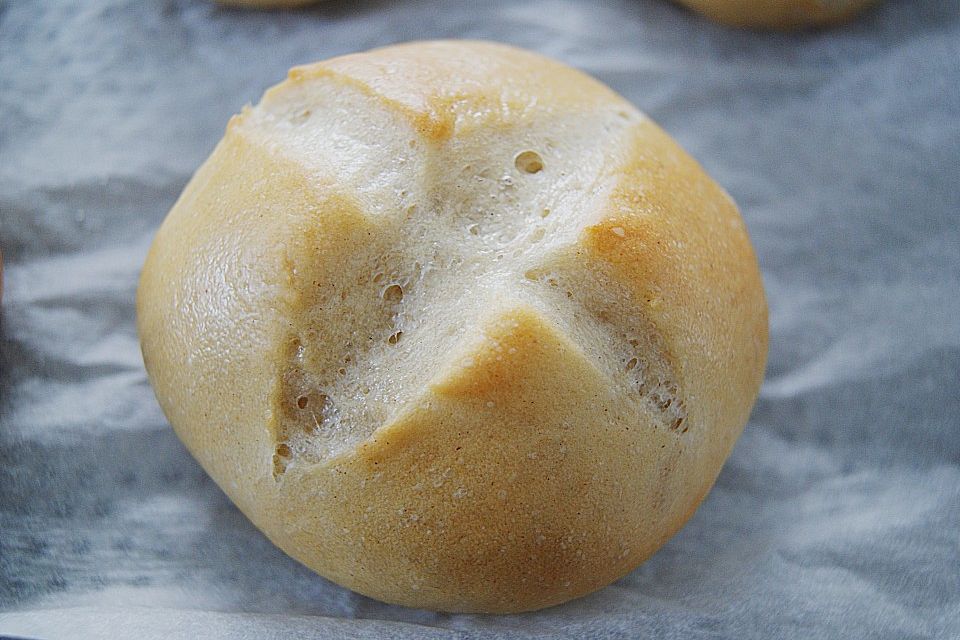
point(838, 514)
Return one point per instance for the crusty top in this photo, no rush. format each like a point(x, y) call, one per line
point(455, 325)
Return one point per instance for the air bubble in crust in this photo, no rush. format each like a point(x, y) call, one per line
point(300, 117)
point(528, 162)
point(393, 293)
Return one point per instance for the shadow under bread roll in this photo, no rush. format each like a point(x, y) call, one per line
point(267, 4)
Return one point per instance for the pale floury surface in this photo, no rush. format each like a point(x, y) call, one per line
point(455, 325)
point(836, 514)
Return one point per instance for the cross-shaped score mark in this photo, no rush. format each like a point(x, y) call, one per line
point(391, 301)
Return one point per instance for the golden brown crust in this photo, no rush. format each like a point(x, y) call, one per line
point(546, 395)
point(779, 14)
point(456, 94)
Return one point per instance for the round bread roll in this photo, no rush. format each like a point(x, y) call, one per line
point(455, 325)
point(778, 14)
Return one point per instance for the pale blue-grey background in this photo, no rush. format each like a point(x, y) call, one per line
point(838, 514)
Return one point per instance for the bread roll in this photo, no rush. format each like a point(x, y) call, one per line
point(778, 14)
point(455, 325)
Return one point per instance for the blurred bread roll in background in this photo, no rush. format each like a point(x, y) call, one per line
point(778, 14)
point(768, 14)
point(455, 325)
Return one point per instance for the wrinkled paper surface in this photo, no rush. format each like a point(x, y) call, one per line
point(838, 514)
